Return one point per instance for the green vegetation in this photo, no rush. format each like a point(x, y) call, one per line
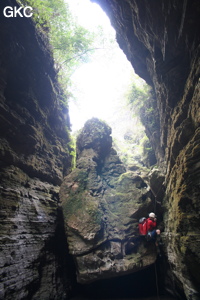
point(134, 148)
point(142, 101)
point(137, 96)
point(71, 45)
point(72, 147)
point(70, 42)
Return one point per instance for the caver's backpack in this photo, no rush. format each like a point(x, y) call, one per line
point(142, 226)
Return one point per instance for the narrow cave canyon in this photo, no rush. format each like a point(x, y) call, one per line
point(68, 232)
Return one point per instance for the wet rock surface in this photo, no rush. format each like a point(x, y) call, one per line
point(101, 204)
point(161, 40)
point(33, 159)
point(29, 256)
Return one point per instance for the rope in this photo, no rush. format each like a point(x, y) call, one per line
point(155, 196)
point(155, 206)
point(157, 289)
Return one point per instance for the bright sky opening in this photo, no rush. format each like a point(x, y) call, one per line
point(100, 84)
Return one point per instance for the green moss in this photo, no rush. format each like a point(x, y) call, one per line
point(81, 177)
point(82, 206)
point(74, 197)
point(127, 182)
point(94, 212)
point(78, 202)
point(184, 241)
point(72, 205)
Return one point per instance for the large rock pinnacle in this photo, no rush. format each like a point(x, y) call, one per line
point(101, 204)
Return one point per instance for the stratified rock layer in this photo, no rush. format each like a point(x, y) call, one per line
point(33, 159)
point(101, 205)
point(161, 39)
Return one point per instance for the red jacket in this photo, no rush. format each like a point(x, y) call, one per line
point(151, 225)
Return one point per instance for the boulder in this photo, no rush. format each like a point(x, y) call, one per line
point(101, 205)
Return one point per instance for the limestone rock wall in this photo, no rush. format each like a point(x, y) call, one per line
point(161, 39)
point(34, 157)
point(101, 205)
